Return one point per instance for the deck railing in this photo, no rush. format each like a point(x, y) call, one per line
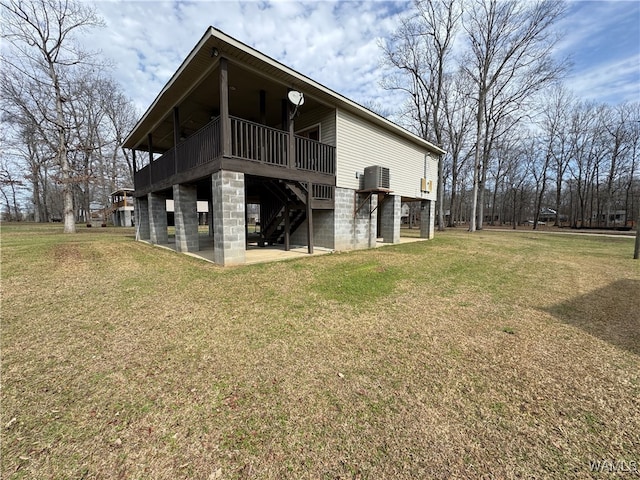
point(163, 167)
point(200, 148)
point(315, 156)
point(249, 141)
point(123, 203)
point(322, 192)
point(253, 141)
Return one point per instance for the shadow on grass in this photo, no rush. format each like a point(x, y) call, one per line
point(611, 313)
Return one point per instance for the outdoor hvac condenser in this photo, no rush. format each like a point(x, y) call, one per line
point(376, 177)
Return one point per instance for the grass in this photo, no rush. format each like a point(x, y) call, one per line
point(508, 355)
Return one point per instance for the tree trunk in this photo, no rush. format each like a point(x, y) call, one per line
point(476, 162)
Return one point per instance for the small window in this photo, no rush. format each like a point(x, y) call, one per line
point(312, 133)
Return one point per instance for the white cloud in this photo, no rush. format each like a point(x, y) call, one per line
point(336, 44)
point(602, 40)
point(612, 82)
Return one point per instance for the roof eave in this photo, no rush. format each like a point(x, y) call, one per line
point(342, 101)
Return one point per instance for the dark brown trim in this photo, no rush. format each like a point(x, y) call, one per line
point(287, 227)
point(176, 134)
point(310, 216)
point(225, 124)
point(247, 167)
point(150, 142)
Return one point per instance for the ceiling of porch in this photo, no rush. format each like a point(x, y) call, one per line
point(202, 104)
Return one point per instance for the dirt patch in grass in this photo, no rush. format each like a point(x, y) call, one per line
point(462, 357)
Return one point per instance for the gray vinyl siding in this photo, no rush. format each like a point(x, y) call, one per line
point(361, 144)
point(324, 116)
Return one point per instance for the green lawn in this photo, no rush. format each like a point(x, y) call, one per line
point(515, 355)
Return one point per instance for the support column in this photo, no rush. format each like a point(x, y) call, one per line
point(142, 218)
point(363, 220)
point(391, 209)
point(176, 137)
point(427, 218)
point(225, 122)
point(287, 228)
point(125, 219)
point(309, 217)
point(185, 207)
point(373, 222)
point(158, 219)
point(228, 217)
point(210, 217)
point(150, 152)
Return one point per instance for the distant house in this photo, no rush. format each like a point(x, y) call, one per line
point(548, 215)
point(122, 207)
point(236, 128)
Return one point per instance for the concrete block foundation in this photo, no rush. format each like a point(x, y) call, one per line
point(427, 218)
point(158, 219)
point(185, 201)
point(142, 218)
point(390, 212)
point(229, 223)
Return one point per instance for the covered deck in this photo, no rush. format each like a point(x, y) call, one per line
point(254, 149)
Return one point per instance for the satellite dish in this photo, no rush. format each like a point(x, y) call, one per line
point(296, 98)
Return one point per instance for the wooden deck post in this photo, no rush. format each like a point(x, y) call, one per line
point(225, 125)
point(150, 143)
point(176, 136)
point(284, 114)
point(263, 120)
point(310, 216)
point(292, 144)
point(287, 228)
point(292, 140)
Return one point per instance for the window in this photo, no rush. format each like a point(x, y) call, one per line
point(312, 133)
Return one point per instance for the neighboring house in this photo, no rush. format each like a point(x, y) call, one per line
point(224, 130)
point(122, 207)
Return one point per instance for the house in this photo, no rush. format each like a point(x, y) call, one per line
point(122, 207)
point(236, 128)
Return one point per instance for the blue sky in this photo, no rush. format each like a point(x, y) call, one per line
point(603, 40)
point(337, 44)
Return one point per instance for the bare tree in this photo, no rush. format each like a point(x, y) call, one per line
point(421, 50)
point(458, 115)
point(10, 183)
point(510, 57)
point(121, 115)
point(556, 113)
point(45, 56)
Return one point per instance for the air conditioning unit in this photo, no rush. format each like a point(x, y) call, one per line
point(376, 177)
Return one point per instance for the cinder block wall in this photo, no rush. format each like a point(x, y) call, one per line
point(354, 233)
point(185, 201)
point(142, 218)
point(158, 219)
point(228, 217)
point(427, 218)
point(391, 209)
point(323, 223)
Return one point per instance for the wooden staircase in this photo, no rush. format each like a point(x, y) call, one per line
point(284, 210)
